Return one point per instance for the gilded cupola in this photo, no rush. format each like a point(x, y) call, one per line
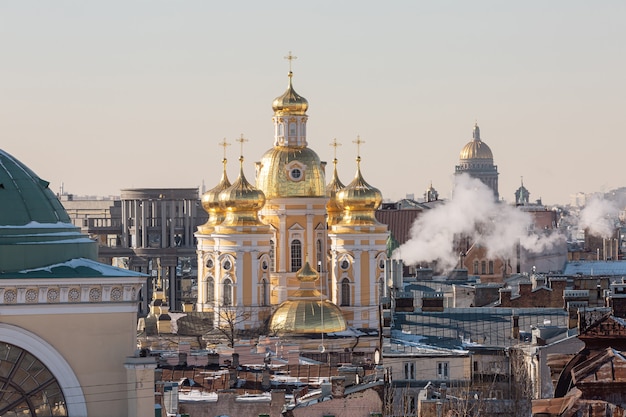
point(241, 202)
point(359, 200)
point(290, 168)
point(290, 102)
point(334, 186)
point(307, 311)
point(476, 149)
point(211, 202)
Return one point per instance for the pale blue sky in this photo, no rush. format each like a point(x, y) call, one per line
point(104, 95)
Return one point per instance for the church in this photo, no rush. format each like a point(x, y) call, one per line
point(291, 238)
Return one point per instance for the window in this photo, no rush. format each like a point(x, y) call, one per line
point(442, 370)
point(409, 370)
point(483, 267)
point(29, 387)
point(345, 292)
point(228, 292)
point(296, 255)
point(292, 129)
point(295, 174)
point(475, 267)
point(264, 292)
point(344, 264)
point(209, 263)
point(210, 290)
point(490, 267)
point(227, 265)
point(272, 256)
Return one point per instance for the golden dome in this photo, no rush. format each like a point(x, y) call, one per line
point(211, 200)
point(287, 171)
point(241, 202)
point(290, 102)
point(476, 149)
point(333, 187)
point(307, 312)
point(359, 200)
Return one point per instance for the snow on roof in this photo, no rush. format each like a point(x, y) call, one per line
point(99, 268)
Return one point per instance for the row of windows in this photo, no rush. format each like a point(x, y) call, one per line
point(227, 292)
point(442, 369)
point(486, 268)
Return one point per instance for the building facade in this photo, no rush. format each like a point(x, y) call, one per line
point(258, 237)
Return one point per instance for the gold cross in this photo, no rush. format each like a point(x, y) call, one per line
point(290, 58)
point(358, 142)
point(241, 140)
point(224, 144)
point(335, 144)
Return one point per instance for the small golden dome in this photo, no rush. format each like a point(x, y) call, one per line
point(287, 171)
point(307, 274)
point(333, 187)
point(307, 312)
point(359, 200)
point(241, 201)
point(290, 102)
point(476, 149)
point(211, 200)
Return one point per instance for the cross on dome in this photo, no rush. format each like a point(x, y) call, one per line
point(224, 144)
point(290, 58)
point(335, 144)
point(241, 141)
point(358, 142)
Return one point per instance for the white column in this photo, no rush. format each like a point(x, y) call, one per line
point(357, 278)
point(239, 277)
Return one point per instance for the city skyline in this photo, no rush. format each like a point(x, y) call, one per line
point(98, 97)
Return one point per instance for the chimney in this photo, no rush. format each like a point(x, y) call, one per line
point(515, 326)
point(338, 386)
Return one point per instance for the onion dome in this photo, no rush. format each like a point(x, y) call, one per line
point(286, 171)
point(476, 149)
point(241, 202)
point(359, 200)
point(522, 195)
point(431, 194)
point(290, 102)
point(333, 187)
point(35, 229)
point(307, 311)
point(211, 202)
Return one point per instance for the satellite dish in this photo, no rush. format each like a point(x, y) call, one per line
point(322, 348)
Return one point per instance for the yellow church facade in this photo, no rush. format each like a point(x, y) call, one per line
point(259, 237)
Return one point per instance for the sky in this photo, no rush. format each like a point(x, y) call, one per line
point(98, 96)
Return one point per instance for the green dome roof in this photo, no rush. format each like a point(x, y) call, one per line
point(24, 197)
point(35, 229)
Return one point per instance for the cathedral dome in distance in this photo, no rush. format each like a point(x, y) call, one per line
point(476, 148)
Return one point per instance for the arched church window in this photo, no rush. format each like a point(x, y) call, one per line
point(210, 290)
point(490, 267)
point(296, 255)
point(228, 292)
point(28, 386)
point(483, 268)
point(272, 256)
point(281, 129)
point(318, 254)
point(345, 292)
point(264, 299)
point(475, 267)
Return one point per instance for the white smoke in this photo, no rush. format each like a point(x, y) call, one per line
point(598, 217)
point(471, 212)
